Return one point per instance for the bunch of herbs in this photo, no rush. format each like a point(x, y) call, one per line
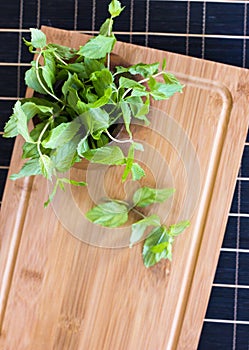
point(78, 99)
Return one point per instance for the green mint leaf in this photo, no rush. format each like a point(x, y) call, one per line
point(101, 81)
point(178, 228)
point(162, 91)
point(106, 27)
point(139, 92)
point(138, 146)
point(130, 84)
point(143, 109)
point(72, 82)
point(64, 52)
point(97, 47)
point(172, 83)
point(137, 172)
point(109, 214)
point(139, 108)
point(40, 102)
point(73, 100)
point(109, 155)
point(83, 146)
point(77, 67)
point(129, 162)
point(139, 227)
point(49, 69)
point(103, 141)
point(131, 167)
point(48, 77)
point(64, 157)
point(115, 8)
point(145, 196)
point(30, 150)
point(164, 64)
point(30, 110)
point(145, 70)
point(171, 79)
point(46, 166)
point(102, 101)
point(60, 182)
point(21, 121)
point(73, 182)
point(126, 114)
point(92, 65)
point(52, 195)
point(157, 247)
point(31, 167)
point(89, 95)
point(93, 100)
point(36, 131)
point(10, 128)
point(32, 81)
point(95, 121)
point(61, 134)
point(38, 38)
point(28, 44)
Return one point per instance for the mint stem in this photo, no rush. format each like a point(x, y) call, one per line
point(108, 55)
point(39, 79)
point(138, 212)
point(116, 140)
point(40, 137)
point(60, 59)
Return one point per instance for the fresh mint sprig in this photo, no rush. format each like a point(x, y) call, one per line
point(158, 244)
point(79, 99)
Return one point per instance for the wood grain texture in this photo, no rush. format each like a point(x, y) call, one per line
point(58, 292)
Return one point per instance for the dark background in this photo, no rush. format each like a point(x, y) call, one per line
point(214, 30)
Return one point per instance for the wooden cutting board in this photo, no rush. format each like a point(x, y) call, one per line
point(58, 292)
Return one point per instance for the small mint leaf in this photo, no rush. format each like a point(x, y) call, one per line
point(137, 172)
point(115, 8)
point(178, 228)
point(38, 38)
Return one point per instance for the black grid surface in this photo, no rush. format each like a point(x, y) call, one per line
point(214, 30)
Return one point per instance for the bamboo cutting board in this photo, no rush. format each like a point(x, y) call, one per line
point(58, 292)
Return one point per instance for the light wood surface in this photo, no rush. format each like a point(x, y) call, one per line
point(58, 292)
